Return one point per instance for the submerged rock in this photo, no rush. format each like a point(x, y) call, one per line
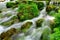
point(39, 22)
point(26, 26)
point(10, 22)
point(50, 8)
point(1, 15)
point(40, 5)
point(7, 35)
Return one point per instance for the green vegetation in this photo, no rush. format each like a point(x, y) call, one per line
point(10, 22)
point(50, 8)
point(39, 22)
point(56, 34)
point(40, 5)
point(8, 15)
point(26, 26)
point(7, 35)
point(24, 14)
point(1, 16)
point(11, 4)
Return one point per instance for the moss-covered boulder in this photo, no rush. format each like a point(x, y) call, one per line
point(10, 22)
point(26, 26)
point(39, 22)
point(7, 35)
point(27, 11)
point(12, 4)
point(50, 8)
point(40, 5)
point(1, 15)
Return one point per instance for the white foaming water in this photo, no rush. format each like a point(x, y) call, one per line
point(1, 29)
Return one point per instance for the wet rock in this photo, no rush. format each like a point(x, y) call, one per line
point(26, 26)
point(39, 22)
point(50, 8)
point(52, 24)
point(40, 5)
point(1, 16)
point(10, 4)
point(10, 22)
point(7, 15)
point(7, 35)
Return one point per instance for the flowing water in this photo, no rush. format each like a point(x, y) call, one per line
point(33, 33)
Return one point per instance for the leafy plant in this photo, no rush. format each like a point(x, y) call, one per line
point(55, 35)
point(56, 30)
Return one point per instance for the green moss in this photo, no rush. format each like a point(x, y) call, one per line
point(45, 34)
point(11, 4)
point(10, 22)
point(8, 15)
point(7, 35)
point(1, 16)
point(50, 8)
point(24, 14)
point(40, 5)
point(56, 30)
point(39, 22)
point(56, 20)
point(11, 0)
point(26, 26)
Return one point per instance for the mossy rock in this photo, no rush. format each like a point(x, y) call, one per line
point(1, 15)
point(39, 22)
point(26, 26)
point(27, 11)
point(10, 22)
point(8, 15)
point(12, 4)
point(7, 35)
point(40, 5)
point(50, 8)
point(45, 34)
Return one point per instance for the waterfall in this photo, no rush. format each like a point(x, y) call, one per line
point(33, 33)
